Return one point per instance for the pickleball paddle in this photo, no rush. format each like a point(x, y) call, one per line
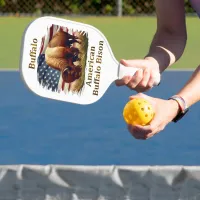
point(69, 61)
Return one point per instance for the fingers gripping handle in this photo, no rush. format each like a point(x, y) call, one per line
point(130, 71)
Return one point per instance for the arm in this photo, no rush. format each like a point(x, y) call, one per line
point(166, 48)
point(170, 38)
point(191, 91)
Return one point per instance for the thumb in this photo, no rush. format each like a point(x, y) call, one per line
point(133, 63)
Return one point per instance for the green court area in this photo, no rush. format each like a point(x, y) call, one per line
point(129, 38)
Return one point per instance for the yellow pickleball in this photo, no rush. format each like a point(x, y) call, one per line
point(138, 112)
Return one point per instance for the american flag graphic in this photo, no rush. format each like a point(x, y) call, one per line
point(48, 77)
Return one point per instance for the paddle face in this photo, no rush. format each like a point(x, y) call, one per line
point(67, 61)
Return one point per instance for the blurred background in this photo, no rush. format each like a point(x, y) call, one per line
point(116, 19)
point(37, 130)
point(80, 7)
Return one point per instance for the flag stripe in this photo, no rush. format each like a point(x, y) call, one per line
point(42, 45)
point(51, 33)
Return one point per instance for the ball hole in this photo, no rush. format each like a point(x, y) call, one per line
point(146, 115)
point(142, 109)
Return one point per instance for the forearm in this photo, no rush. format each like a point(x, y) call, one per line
point(166, 48)
point(191, 91)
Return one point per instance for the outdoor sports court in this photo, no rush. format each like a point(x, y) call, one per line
point(46, 134)
point(35, 130)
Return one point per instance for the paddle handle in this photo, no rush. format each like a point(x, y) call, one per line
point(130, 71)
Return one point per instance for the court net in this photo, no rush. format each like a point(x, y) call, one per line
point(60, 182)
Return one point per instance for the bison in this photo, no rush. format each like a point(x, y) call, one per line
point(60, 56)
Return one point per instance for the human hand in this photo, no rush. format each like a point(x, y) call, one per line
point(165, 112)
point(143, 80)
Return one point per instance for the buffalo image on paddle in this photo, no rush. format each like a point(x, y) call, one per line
point(61, 55)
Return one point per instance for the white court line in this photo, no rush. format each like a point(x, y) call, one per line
point(180, 69)
point(9, 70)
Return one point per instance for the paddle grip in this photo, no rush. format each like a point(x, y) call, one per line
point(130, 71)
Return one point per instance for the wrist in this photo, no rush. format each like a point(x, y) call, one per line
point(175, 107)
point(163, 56)
point(182, 107)
point(154, 62)
point(155, 69)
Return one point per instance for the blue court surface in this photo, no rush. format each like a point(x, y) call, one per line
point(35, 130)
